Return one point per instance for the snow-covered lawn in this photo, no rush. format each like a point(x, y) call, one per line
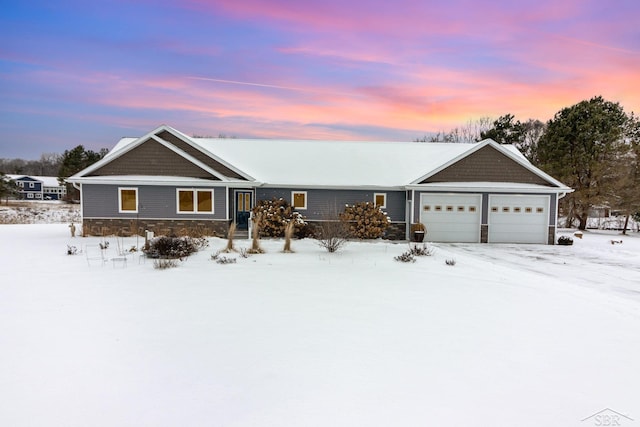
point(512, 335)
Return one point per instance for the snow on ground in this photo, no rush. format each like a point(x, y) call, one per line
point(524, 335)
point(42, 212)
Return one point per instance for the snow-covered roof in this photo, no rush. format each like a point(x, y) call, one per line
point(332, 163)
point(328, 164)
point(121, 144)
point(47, 181)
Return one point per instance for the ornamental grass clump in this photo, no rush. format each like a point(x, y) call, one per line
point(421, 250)
point(288, 232)
point(232, 231)
point(365, 220)
point(255, 234)
point(405, 257)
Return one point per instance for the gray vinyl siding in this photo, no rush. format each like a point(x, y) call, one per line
point(154, 202)
point(324, 204)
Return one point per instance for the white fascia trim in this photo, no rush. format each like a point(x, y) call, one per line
point(141, 180)
point(487, 189)
point(332, 187)
point(158, 180)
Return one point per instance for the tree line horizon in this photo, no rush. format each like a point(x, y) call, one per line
point(592, 147)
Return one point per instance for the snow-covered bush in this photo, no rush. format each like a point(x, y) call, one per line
point(366, 220)
point(174, 247)
point(450, 262)
point(221, 259)
point(565, 241)
point(275, 214)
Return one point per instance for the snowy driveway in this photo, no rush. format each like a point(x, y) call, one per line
point(592, 261)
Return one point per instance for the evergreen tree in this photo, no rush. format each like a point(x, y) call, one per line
point(75, 160)
point(505, 130)
point(625, 176)
point(580, 147)
point(7, 187)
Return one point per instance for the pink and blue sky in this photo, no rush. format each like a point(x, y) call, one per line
point(89, 72)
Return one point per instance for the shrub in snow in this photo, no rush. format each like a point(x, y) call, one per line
point(225, 260)
point(71, 250)
point(333, 235)
point(366, 220)
point(565, 241)
point(221, 259)
point(421, 250)
point(450, 262)
point(405, 257)
point(275, 215)
point(164, 263)
point(174, 247)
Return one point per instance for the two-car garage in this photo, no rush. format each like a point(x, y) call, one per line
point(508, 218)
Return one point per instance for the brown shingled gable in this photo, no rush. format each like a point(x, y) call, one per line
point(199, 155)
point(154, 159)
point(487, 165)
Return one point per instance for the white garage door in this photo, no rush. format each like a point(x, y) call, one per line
point(518, 219)
point(451, 217)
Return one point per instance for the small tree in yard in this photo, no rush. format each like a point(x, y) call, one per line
point(333, 235)
point(366, 220)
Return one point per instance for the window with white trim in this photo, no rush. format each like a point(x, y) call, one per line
point(194, 201)
point(127, 200)
point(299, 199)
point(380, 200)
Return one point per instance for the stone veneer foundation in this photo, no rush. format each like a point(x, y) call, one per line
point(131, 227)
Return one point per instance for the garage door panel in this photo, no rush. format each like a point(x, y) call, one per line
point(451, 217)
point(518, 219)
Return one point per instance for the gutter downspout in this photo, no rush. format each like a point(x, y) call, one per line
point(408, 213)
point(79, 188)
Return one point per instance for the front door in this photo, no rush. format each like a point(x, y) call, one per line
point(243, 209)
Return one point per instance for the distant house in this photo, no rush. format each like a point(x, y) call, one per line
point(39, 187)
point(165, 180)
